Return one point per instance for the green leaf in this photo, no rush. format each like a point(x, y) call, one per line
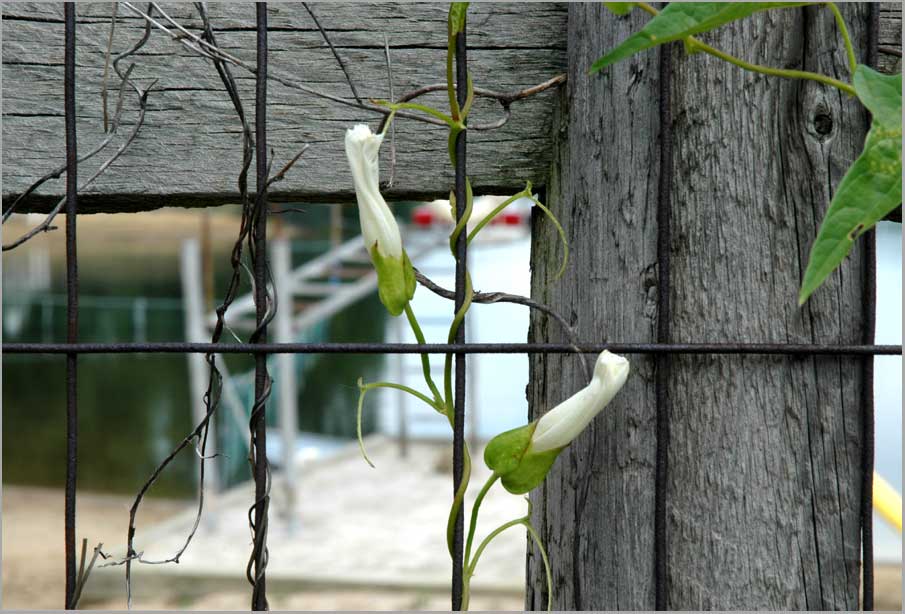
point(620, 8)
point(881, 94)
point(457, 12)
point(682, 19)
point(872, 186)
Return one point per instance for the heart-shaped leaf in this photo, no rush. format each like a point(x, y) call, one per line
point(872, 186)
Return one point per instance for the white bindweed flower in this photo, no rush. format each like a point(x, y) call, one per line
point(559, 426)
point(523, 456)
point(395, 277)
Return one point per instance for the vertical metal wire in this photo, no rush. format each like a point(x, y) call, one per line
point(262, 379)
point(662, 361)
point(72, 301)
point(461, 270)
point(867, 386)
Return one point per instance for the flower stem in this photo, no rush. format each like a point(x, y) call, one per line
point(843, 29)
point(468, 572)
point(697, 45)
point(425, 359)
point(543, 554)
point(388, 121)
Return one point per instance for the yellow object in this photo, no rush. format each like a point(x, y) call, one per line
point(887, 502)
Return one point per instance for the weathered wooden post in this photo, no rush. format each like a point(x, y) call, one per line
point(763, 490)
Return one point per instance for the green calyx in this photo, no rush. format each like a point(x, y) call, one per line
point(520, 470)
point(395, 280)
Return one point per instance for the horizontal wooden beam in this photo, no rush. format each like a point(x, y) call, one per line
point(188, 153)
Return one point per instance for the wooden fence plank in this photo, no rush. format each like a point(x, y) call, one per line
point(189, 151)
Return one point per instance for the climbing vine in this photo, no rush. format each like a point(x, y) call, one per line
point(872, 186)
point(518, 459)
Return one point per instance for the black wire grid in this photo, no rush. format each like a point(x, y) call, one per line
point(662, 350)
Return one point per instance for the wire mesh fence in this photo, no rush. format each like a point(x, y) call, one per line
point(254, 233)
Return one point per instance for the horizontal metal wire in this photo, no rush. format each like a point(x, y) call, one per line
point(797, 349)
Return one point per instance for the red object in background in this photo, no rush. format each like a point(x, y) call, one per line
point(422, 216)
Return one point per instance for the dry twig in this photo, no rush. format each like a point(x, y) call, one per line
point(45, 225)
point(196, 44)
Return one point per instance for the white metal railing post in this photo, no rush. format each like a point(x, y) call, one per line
point(193, 313)
point(287, 389)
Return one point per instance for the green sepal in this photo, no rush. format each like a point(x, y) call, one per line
point(531, 472)
point(505, 451)
point(620, 8)
point(395, 280)
point(508, 456)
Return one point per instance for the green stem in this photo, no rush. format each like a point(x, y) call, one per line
point(474, 514)
point(386, 125)
point(843, 29)
point(363, 390)
point(543, 553)
point(499, 208)
point(769, 70)
point(425, 359)
point(758, 68)
point(414, 106)
point(403, 388)
point(450, 85)
point(559, 229)
point(469, 570)
point(462, 224)
point(451, 338)
point(458, 499)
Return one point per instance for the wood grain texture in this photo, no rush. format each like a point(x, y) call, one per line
point(594, 511)
point(190, 118)
point(189, 151)
point(764, 482)
point(890, 36)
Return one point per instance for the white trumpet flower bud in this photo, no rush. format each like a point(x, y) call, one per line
point(559, 426)
point(523, 456)
point(377, 222)
point(395, 276)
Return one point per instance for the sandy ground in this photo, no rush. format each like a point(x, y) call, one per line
point(33, 538)
point(33, 564)
point(33, 561)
